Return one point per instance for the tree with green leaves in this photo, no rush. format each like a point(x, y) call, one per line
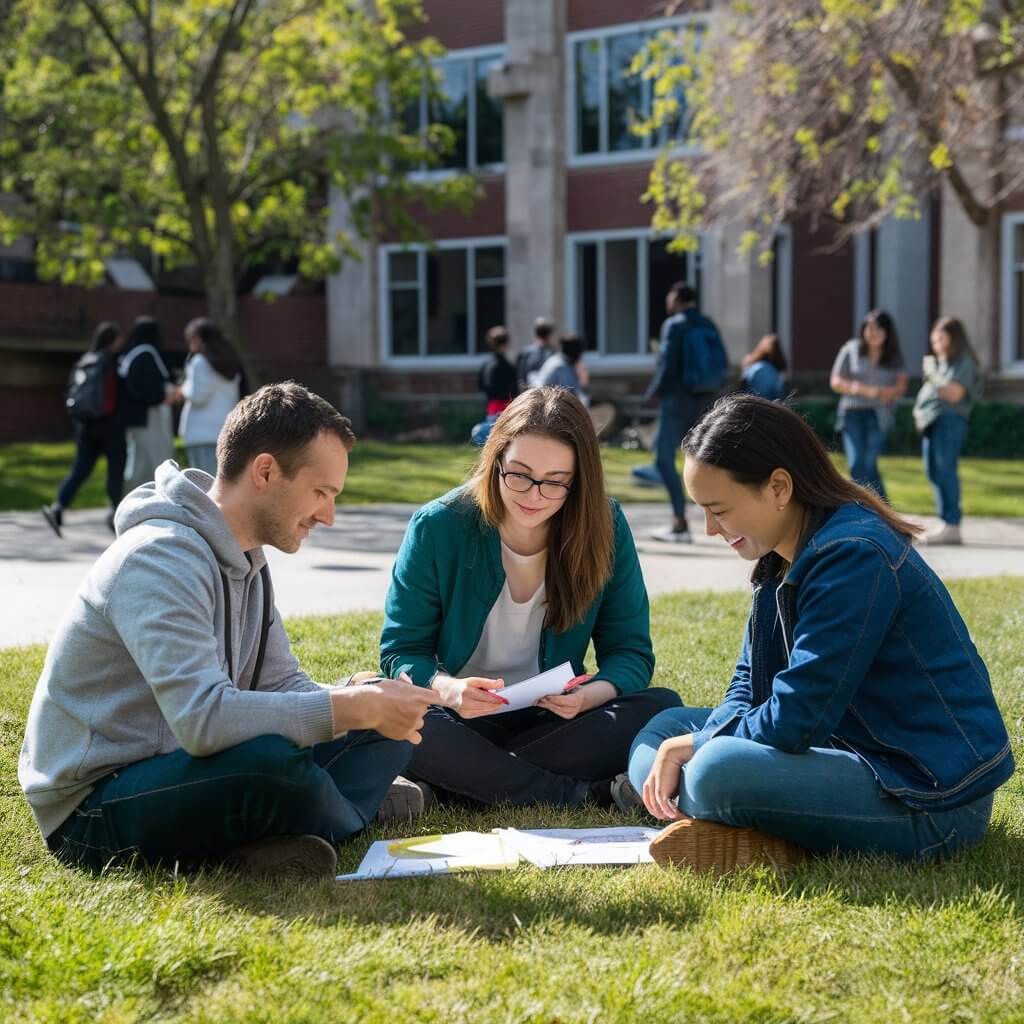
point(211, 132)
point(839, 109)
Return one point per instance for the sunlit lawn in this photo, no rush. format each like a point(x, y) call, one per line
point(841, 939)
point(383, 472)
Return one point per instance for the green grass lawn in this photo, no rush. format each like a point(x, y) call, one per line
point(840, 939)
point(383, 472)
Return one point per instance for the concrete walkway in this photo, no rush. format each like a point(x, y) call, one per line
point(349, 567)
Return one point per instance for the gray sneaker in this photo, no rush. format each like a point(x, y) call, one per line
point(405, 801)
point(624, 796)
point(302, 858)
point(672, 536)
point(54, 516)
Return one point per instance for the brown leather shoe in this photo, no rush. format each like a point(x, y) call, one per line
point(711, 846)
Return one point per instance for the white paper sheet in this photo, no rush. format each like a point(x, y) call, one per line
point(529, 691)
point(503, 848)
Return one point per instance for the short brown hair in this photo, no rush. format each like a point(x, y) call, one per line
point(581, 537)
point(496, 337)
point(281, 420)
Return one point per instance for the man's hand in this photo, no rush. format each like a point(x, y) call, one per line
point(392, 707)
point(470, 697)
point(663, 781)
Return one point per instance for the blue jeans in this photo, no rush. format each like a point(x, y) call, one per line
point(176, 807)
point(202, 456)
point(863, 443)
point(940, 448)
point(677, 414)
point(823, 800)
point(91, 441)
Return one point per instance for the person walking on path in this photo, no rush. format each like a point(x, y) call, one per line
point(210, 390)
point(497, 376)
point(868, 373)
point(533, 357)
point(94, 403)
point(763, 368)
point(564, 368)
point(171, 722)
point(690, 372)
point(952, 385)
point(860, 716)
point(511, 575)
point(146, 385)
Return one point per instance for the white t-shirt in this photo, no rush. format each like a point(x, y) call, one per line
point(209, 398)
point(509, 646)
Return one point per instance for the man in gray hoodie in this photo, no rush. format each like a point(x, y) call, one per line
point(171, 721)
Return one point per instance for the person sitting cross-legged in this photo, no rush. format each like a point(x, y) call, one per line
point(172, 723)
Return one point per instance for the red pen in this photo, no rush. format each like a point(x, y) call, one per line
point(578, 681)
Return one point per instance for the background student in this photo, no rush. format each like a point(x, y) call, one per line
point(860, 716)
point(952, 384)
point(512, 574)
point(868, 372)
point(763, 369)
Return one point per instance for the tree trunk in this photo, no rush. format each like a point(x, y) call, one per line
point(222, 300)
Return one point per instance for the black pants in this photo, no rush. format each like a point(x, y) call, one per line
point(91, 441)
point(532, 756)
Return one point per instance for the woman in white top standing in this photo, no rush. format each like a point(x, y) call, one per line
point(210, 390)
point(511, 575)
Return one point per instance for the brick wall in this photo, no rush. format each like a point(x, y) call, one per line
point(485, 218)
point(822, 297)
point(584, 14)
point(461, 23)
point(601, 198)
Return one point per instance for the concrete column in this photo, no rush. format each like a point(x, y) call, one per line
point(353, 341)
point(735, 290)
point(532, 85)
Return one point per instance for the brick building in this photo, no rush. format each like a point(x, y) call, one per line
point(541, 99)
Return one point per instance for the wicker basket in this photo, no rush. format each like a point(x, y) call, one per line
point(710, 846)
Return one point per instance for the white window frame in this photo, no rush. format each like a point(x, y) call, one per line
point(643, 154)
point(1012, 366)
point(641, 359)
point(423, 360)
point(471, 54)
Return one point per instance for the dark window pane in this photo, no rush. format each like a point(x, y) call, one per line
point(490, 132)
point(490, 263)
point(621, 308)
point(588, 96)
point(586, 292)
point(625, 93)
point(402, 267)
point(452, 109)
point(490, 311)
point(1018, 278)
point(447, 317)
point(664, 269)
point(405, 322)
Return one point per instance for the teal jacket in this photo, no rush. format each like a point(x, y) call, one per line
point(448, 575)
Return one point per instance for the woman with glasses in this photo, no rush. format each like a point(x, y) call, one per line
point(512, 574)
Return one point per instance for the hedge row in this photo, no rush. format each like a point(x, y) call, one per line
point(996, 431)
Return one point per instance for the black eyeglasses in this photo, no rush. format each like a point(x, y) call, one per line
point(521, 483)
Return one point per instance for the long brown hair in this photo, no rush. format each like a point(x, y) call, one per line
point(750, 437)
point(216, 347)
point(891, 355)
point(957, 334)
point(769, 348)
point(581, 535)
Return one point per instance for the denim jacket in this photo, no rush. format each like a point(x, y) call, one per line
point(861, 648)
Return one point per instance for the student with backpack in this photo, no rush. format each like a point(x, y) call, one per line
point(692, 368)
point(93, 403)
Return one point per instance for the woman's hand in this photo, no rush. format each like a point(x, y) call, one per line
point(581, 698)
point(663, 780)
point(471, 697)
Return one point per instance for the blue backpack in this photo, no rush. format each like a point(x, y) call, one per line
point(705, 364)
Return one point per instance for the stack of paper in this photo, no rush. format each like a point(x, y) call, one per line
point(503, 848)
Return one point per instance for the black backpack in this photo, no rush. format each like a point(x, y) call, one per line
point(92, 387)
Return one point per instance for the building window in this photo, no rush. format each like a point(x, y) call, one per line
point(617, 288)
point(441, 301)
point(1013, 292)
point(609, 100)
point(464, 106)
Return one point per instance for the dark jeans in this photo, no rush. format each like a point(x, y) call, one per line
point(91, 441)
point(824, 799)
point(940, 448)
point(863, 443)
point(677, 414)
point(532, 756)
point(190, 809)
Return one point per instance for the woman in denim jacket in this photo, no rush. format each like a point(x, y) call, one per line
point(860, 716)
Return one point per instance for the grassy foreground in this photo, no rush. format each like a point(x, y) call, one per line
point(383, 472)
point(853, 939)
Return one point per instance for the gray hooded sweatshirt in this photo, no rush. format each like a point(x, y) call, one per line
point(138, 666)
